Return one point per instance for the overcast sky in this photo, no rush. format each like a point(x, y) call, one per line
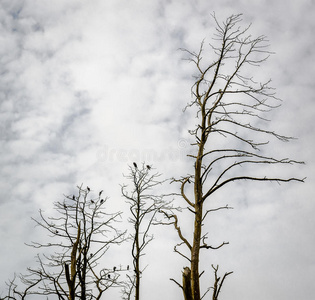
point(88, 87)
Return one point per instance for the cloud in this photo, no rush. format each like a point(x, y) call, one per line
point(88, 87)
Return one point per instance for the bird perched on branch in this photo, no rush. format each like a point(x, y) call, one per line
point(88, 188)
point(135, 165)
point(148, 167)
point(100, 193)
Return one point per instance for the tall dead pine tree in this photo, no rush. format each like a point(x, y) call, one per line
point(231, 109)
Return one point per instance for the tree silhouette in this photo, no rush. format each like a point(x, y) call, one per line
point(144, 204)
point(229, 139)
point(72, 265)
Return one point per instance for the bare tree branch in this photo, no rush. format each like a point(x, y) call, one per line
point(230, 137)
point(144, 203)
point(79, 236)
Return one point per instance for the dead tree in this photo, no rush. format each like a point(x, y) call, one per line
point(14, 292)
point(229, 139)
point(144, 204)
point(72, 262)
point(218, 282)
point(187, 284)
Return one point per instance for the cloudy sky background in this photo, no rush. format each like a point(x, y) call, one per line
point(88, 87)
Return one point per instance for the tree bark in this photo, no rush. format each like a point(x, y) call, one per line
point(137, 246)
point(187, 284)
point(195, 251)
point(195, 254)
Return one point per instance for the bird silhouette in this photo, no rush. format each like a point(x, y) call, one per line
point(88, 188)
point(148, 167)
point(92, 201)
point(128, 267)
point(102, 200)
point(100, 193)
point(114, 269)
point(109, 276)
point(73, 197)
point(135, 165)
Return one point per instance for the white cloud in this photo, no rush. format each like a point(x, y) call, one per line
point(88, 87)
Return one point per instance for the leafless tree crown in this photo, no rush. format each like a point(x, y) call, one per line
point(144, 201)
point(231, 109)
point(72, 263)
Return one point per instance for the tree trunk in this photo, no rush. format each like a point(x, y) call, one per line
point(137, 246)
point(195, 253)
point(187, 284)
point(71, 275)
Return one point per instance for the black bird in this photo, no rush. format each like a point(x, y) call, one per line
point(149, 168)
point(128, 267)
point(88, 188)
point(109, 276)
point(73, 198)
point(57, 231)
point(114, 269)
point(65, 206)
point(100, 193)
point(102, 200)
point(92, 201)
point(135, 165)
